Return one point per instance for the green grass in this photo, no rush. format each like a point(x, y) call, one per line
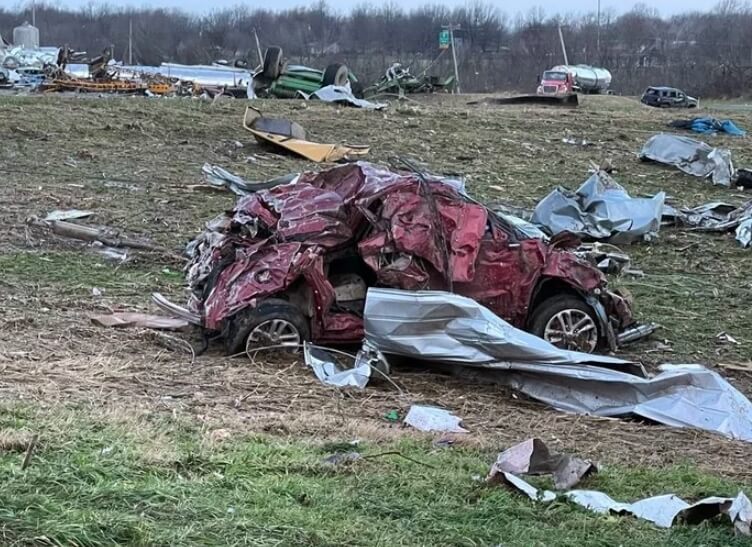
point(74, 272)
point(158, 481)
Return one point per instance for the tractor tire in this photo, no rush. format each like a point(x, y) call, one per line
point(335, 74)
point(544, 323)
point(357, 89)
point(255, 320)
point(273, 62)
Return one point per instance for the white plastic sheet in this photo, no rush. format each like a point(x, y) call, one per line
point(429, 418)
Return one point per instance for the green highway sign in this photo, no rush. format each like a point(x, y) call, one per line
point(444, 39)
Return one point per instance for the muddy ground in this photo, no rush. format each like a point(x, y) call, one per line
point(136, 162)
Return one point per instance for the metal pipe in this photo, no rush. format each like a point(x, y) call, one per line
point(636, 333)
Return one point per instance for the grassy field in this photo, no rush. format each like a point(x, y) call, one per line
point(140, 444)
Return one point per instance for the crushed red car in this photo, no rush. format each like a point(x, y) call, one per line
point(294, 262)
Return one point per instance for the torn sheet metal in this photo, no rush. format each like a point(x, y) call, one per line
point(430, 418)
point(67, 214)
point(607, 258)
point(203, 75)
point(744, 232)
point(664, 511)
point(343, 94)
point(445, 327)
point(532, 457)
point(329, 372)
point(679, 396)
point(600, 209)
point(221, 178)
point(312, 151)
point(717, 217)
point(690, 156)
point(142, 320)
point(525, 487)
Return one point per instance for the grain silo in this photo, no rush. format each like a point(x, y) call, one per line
point(26, 36)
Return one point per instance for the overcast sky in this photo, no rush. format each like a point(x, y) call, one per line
point(665, 7)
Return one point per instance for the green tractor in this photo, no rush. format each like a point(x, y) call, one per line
point(277, 78)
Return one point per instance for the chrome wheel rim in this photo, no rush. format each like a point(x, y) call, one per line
point(573, 330)
point(272, 333)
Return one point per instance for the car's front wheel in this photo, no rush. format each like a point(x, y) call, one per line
point(274, 322)
point(567, 322)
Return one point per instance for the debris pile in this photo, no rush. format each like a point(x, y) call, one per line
point(716, 217)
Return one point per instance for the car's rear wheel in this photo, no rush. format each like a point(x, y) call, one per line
point(567, 322)
point(274, 322)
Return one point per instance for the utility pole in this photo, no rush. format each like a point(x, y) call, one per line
point(598, 33)
point(34, 14)
point(451, 28)
point(563, 47)
point(130, 42)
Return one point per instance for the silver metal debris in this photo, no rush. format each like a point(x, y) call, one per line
point(329, 372)
point(690, 156)
point(664, 511)
point(600, 209)
point(342, 94)
point(441, 327)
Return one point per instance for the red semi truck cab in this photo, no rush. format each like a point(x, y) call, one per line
point(554, 82)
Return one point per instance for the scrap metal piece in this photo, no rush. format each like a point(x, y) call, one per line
point(143, 320)
point(443, 327)
point(329, 372)
point(446, 327)
point(68, 214)
point(690, 156)
point(286, 138)
point(218, 177)
point(680, 396)
point(532, 457)
point(744, 232)
point(343, 94)
point(526, 488)
point(607, 258)
point(740, 513)
point(174, 310)
point(600, 209)
point(429, 418)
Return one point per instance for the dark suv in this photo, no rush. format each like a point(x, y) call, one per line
point(668, 97)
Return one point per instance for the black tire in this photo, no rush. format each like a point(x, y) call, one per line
point(273, 62)
point(243, 323)
point(357, 89)
point(335, 74)
point(547, 309)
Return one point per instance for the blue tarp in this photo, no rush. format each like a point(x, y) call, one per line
point(712, 125)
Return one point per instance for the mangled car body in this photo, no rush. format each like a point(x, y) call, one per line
point(294, 262)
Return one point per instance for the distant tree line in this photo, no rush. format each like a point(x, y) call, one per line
point(709, 54)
